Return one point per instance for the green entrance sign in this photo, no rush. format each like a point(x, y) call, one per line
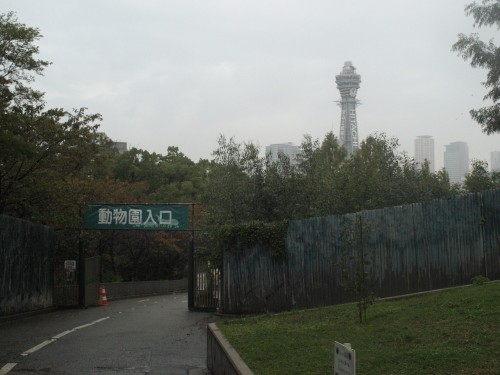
point(137, 216)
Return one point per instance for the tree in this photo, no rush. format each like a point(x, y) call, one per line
point(356, 264)
point(42, 151)
point(234, 183)
point(320, 173)
point(431, 185)
point(280, 197)
point(181, 180)
point(167, 178)
point(479, 179)
point(484, 55)
point(372, 177)
point(17, 60)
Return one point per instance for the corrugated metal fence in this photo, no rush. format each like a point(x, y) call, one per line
point(408, 249)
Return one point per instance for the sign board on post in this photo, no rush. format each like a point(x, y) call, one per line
point(70, 264)
point(70, 267)
point(344, 362)
point(137, 216)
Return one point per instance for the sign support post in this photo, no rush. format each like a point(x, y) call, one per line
point(81, 271)
point(191, 265)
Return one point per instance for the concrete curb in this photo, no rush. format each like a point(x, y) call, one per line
point(426, 292)
point(222, 358)
point(10, 318)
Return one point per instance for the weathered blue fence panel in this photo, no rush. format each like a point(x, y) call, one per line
point(490, 233)
point(409, 249)
point(254, 282)
point(25, 266)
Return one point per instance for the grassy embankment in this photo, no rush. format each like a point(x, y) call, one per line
point(455, 331)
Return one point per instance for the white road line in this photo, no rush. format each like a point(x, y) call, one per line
point(62, 334)
point(142, 300)
point(5, 369)
point(54, 338)
point(90, 324)
point(38, 347)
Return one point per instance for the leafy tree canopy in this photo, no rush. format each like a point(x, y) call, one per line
point(42, 151)
point(484, 55)
point(479, 179)
point(242, 187)
point(18, 62)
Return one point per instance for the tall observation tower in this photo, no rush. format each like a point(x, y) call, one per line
point(348, 84)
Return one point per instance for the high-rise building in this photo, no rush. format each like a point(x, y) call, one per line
point(495, 161)
point(348, 84)
point(456, 161)
point(120, 146)
point(424, 151)
point(287, 149)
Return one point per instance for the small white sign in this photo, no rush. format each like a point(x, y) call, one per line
point(344, 359)
point(70, 264)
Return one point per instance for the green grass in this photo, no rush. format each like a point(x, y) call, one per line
point(449, 332)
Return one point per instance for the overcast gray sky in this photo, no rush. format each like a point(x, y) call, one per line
point(180, 73)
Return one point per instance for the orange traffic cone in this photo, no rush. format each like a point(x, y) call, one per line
point(103, 299)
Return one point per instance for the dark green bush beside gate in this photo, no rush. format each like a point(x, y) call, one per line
point(25, 266)
point(408, 249)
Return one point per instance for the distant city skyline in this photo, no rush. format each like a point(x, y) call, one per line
point(218, 72)
point(456, 155)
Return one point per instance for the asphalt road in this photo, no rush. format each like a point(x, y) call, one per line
point(155, 335)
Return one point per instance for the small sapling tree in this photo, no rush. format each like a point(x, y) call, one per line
point(355, 265)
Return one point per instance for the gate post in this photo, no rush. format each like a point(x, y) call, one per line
point(81, 272)
point(191, 265)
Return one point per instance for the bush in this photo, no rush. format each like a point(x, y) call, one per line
point(479, 280)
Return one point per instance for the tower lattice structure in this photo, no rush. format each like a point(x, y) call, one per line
point(348, 84)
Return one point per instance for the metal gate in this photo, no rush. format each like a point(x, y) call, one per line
point(66, 290)
point(206, 283)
